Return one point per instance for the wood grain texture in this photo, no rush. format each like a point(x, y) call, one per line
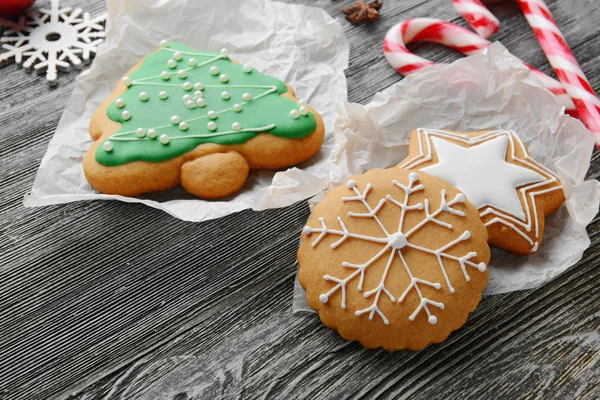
point(115, 300)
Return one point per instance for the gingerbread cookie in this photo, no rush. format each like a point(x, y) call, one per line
point(495, 171)
point(394, 259)
point(198, 119)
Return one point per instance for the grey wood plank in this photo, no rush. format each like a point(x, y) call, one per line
point(111, 299)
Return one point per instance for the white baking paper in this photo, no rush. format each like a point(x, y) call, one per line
point(486, 91)
point(300, 45)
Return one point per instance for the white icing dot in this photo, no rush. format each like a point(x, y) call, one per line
point(211, 126)
point(323, 298)
point(182, 74)
point(187, 86)
point(465, 235)
point(151, 133)
point(212, 114)
point(198, 94)
point(172, 63)
point(165, 76)
point(144, 96)
point(164, 44)
point(201, 102)
point(247, 68)
point(224, 52)
point(224, 78)
point(294, 114)
point(107, 146)
point(175, 119)
point(460, 197)
point(481, 266)
point(140, 132)
point(186, 98)
point(126, 115)
point(190, 104)
point(225, 95)
point(432, 319)
point(307, 230)
point(351, 184)
point(237, 108)
point(247, 96)
point(303, 110)
point(177, 55)
point(199, 86)
point(183, 126)
point(193, 62)
point(413, 176)
point(236, 126)
point(438, 286)
point(420, 206)
point(214, 70)
point(164, 139)
point(120, 103)
point(163, 95)
point(126, 81)
point(302, 103)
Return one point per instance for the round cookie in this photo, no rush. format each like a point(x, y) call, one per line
point(512, 191)
point(394, 259)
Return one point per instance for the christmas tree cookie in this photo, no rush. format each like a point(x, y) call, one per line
point(199, 119)
point(394, 259)
point(512, 191)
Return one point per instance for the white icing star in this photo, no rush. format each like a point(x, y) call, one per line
point(482, 173)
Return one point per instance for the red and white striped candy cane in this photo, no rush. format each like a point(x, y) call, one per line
point(477, 16)
point(563, 62)
point(455, 37)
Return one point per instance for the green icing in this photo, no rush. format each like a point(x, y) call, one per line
point(265, 110)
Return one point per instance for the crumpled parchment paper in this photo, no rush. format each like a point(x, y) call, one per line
point(300, 45)
point(487, 91)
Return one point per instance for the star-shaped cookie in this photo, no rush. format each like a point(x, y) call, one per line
point(512, 191)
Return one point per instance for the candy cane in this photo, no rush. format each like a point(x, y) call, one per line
point(564, 63)
point(477, 16)
point(455, 37)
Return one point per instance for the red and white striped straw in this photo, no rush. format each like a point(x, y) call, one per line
point(563, 62)
point(477, 16)
point(455, 37)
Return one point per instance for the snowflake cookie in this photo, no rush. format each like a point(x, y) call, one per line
point(394, 259)
point(199, 119)
point(494, 170)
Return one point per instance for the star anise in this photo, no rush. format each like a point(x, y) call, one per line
point(363, 12)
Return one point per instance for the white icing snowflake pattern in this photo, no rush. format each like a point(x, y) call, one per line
point(396, 242)
point(52, 39)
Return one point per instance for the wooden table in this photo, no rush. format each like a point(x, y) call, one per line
point(123, 301)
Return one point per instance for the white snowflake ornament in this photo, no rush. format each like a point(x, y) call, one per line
point(52, 39)
point(400, 249)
